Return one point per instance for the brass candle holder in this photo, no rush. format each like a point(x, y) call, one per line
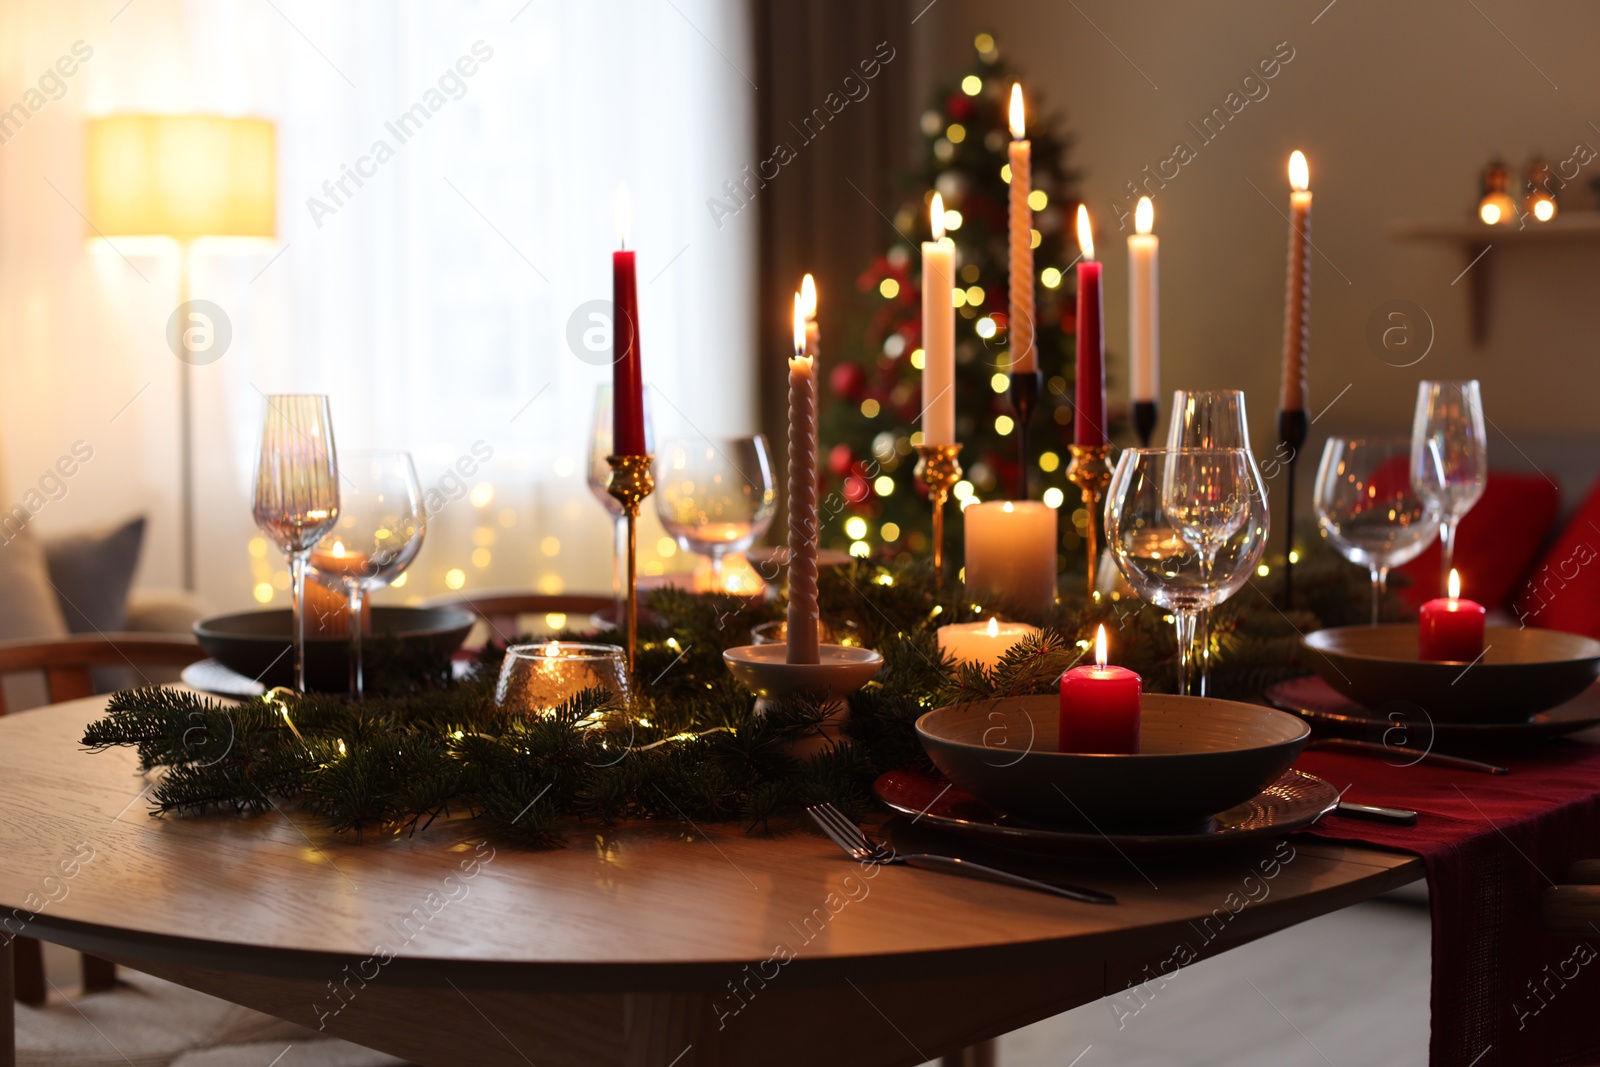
point(630, 482)
point(1090, 471)
point(939, 467)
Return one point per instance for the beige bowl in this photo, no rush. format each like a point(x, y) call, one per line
point(1198, 756)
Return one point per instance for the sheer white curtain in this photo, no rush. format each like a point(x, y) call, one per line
point(430, 295)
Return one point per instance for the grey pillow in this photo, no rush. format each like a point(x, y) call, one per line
point(93, 572)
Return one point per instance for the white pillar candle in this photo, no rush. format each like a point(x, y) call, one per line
point(1144, 338)
point(983, 643)
point(938, 333)
point(1011, 555)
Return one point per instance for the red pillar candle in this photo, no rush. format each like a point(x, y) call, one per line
point(627, 382)
point(1452, 628)
point(1100, 706)
point(1090, 426)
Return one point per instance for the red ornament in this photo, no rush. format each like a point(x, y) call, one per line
point(840, 460)
point(848, 380)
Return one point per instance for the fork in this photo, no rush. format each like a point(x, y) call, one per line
point(856, 844)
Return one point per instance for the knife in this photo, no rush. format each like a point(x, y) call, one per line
point(1398, 816)
point(1373, 749)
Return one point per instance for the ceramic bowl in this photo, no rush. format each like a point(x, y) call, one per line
point(1522, 672)
point(257, 644)
point(1198, 756)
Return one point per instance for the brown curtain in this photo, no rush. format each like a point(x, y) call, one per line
point(837, 139)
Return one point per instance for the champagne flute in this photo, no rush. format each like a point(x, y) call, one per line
point(1449, 456)
point(379, 532)
point(1368, 507)
point(1186, 528)
point(716, 495)
point(600, 446)
point(1213, 418)
point(297, 492)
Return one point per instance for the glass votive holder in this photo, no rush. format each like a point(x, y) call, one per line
point(845, 632)
point(537, 679)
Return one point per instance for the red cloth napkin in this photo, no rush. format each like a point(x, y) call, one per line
point(1504, 991)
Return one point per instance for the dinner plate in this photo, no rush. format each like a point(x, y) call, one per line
point(1322, 705)
point(209, 676)
point(1293, 802)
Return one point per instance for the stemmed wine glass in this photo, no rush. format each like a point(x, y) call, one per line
point(378, 533)
point(716, 495)
point(1213, 418)
point(1186, 527)
point(1368, 505)
point(297, 492)
point(1449, 456)
point(600, 446)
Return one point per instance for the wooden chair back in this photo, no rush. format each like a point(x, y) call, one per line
point(66, 663)
point(502, 610)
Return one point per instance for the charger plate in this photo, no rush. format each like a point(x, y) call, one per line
point(1293, 802)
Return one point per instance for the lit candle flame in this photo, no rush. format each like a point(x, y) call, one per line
point(1085, 234)
point(1018, 131)
point(1100, 646)
point(994, 627)
point(622, 213)
point(1299, 171)
point(1144, 216)
point(1454, 584)
point(808, 297)
point(799, 328)
point(551, 650)
point(936, 216)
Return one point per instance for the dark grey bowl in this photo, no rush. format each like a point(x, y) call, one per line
point(257, 644)
point(1522, 672)
point(1197, 757)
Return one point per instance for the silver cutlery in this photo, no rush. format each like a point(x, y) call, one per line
point(1372, 748)
point(856, 844)
point(1399, 816)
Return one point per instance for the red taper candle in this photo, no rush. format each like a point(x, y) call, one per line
point(627, 381)
point(1089, 427)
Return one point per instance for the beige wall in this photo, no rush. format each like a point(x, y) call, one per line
point(1397, 106)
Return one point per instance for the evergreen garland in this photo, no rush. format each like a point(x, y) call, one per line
point(690, 748)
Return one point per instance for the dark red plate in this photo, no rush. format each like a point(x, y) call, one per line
point(1324, 706)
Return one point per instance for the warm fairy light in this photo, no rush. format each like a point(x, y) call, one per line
point(1144, 216)
point(622, 213)
point(994, 627)
point(1085, 235)
point(1455, 585)
point(1100, 645)
point(1544, 210)
point(1018, 131)
point(936, 216)
point(1299, 172)
point(808, 297)
point(1489, 213)
point(799, 328)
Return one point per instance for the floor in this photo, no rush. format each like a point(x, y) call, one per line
point(1348, 988)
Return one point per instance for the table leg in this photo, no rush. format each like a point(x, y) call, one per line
point(983, 1054)
point(8, 1003)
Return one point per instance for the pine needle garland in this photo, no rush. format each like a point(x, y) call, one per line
point(690, 748)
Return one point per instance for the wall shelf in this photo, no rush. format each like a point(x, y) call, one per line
point(1475, 239)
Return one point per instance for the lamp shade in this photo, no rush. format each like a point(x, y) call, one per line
point(182, 176)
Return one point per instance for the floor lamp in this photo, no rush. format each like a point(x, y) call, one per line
point(183, 177)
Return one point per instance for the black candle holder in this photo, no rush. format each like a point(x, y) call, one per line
point(1292, 427)
point(1145, 413)
point(1024, 394)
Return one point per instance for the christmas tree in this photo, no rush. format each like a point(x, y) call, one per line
point(869, 427)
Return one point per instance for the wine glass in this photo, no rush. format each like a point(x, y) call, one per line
point(537, 679)
point(600, 445)
point(716, 495)
point(1186, 528)
point(378, 533)
point(1213, 418)
point(1449, 456)
point(297, 492)
point(1368, 506)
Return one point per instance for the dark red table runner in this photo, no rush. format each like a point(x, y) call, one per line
point(1504, 991)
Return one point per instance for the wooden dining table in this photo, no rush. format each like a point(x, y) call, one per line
point(666, 944)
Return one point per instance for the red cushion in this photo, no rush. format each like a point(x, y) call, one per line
point(1563, 591)
point(1497, 543)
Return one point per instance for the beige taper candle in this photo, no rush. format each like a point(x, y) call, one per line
point(1297, 298)
point(1019, 326)
point(802, 619)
